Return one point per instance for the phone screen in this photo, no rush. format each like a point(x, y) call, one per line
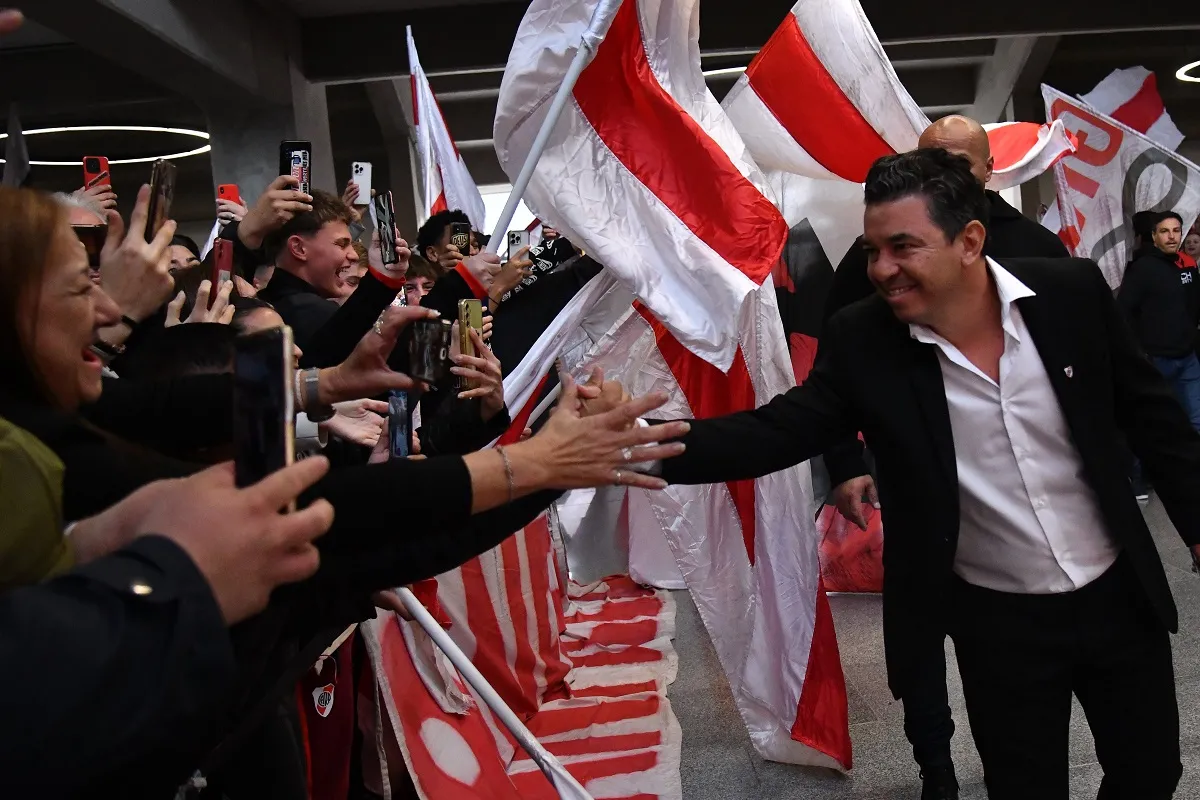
point(398, 444)
point(162, 192)
point(263, 404)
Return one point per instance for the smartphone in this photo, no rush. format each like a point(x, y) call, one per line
point(429, 350)
point(517, 240)
point(95, 172)
point(398, 434)
point(460, 237)
point(162, 192)
point(229, 191)
point(263, 404)
point(470, 315)
point(295, 159)
point(385, 219)
point(93, 237)
point(222, 267)
point(360, 173)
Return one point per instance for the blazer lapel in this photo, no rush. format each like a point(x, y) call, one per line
point(1052, 339)
point(925, 374)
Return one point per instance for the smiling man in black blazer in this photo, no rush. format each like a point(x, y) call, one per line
point(995, 397)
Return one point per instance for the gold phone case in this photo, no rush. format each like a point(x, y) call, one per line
point(470, 315)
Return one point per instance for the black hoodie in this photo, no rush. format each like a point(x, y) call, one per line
point(1162, 301)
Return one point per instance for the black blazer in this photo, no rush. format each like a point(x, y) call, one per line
point(871, 375)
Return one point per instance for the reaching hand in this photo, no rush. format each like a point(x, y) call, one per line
point(365, 373)
point(244, 288)
point(486, 331)
point(577, 452)
point(101, 194)
point(375, 256)
point(484, 374)
point(511, 274)
point(221, 311)
point(134, 273)
point(237, 538)
point(10, 20)
point(229, 211)
point(848, 497)
point(484, 267)
point(359, 421)
point(282, 201)
point(450, 257)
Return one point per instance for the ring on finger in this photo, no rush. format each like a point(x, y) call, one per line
point(627, 454)
point(619, 478)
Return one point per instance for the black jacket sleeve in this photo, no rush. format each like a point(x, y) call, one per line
point(245, 259)
point(337, 336)
point(1155, 425)
point(793, 427)
point(107, 675)
point(844, 459)
point(458, 428)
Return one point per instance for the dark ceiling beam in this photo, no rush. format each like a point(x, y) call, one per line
point(724, 28)
point(220, 51)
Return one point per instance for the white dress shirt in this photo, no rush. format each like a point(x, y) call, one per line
point(1029, 523)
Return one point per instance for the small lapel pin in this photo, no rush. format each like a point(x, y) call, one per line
point(1069, 371)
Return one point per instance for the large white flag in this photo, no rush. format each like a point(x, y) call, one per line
point(1115, 173)
point(445, 181)
point(647, 172)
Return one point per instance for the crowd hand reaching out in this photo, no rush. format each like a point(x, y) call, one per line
point(486, 331)
point(244, 287)
point(228, 211)
point(485, 267)
point(221, 311)
point(365, 372)
point(133, 272)
point(10, 20)
point(483, 374)
point(848, 497)
point(282, 201)
point(101, 194)
point(574, 452)
point(359, 421)
point(375, 256)
point(237, 538)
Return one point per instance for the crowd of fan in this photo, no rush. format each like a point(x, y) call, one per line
point(157, 617)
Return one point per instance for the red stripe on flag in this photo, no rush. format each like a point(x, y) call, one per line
point(619, 586)
point(822, 715)
point(611, 634)
point(1011, 143)
point(525, 651)
point(791, 81)
point(622, 610)
point(439, 205)
point(550, 721)
point(489, 654)
point(629, 655)
point(593, 745)
point(1144, 108)
point(711, 393)
point(639, 122)
point(621, 690)
point(522, 421)
point(554, 668)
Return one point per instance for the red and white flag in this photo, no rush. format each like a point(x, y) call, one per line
point(1130, 96)
point(445, 181)
point(632, 169)
point(1021, 151)
point(649, 174)
point(1115, 173)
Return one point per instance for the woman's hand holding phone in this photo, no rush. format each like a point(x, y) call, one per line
point(133, 272)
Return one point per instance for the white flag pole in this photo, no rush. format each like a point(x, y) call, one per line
point(597, 26)
point(553, 769)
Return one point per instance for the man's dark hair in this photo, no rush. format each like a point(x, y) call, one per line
point(186, 241)
point(197, 348)
point(244, 307)
point(435, 226)
point(1143, 223)
point(326, 208)
point(1162, 216)
point(953, 196)
point(419, 267)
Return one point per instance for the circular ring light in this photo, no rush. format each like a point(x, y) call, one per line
point(138, 128)
point(1184, 73)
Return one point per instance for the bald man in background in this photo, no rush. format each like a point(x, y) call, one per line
point(927, 721)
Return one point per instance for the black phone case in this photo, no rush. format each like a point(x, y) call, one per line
point(385, 217)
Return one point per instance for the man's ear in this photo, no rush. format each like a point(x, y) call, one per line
point(431, 254)
point(973, 238)
point(297, 247)
point(991, 166)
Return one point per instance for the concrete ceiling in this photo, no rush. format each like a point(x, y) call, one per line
point(82, 63)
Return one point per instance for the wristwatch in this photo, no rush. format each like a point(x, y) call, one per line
point(313, 408)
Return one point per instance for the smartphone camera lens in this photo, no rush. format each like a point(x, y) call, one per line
point(92, 164)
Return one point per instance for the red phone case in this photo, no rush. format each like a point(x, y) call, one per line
point(93, 178)
point(222, 267)
point(229, 191)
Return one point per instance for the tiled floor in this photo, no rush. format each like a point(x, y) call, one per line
point(719, 763)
